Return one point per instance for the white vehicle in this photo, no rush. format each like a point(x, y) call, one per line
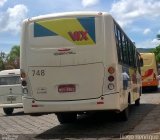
point(74, 62)
point(10, 90)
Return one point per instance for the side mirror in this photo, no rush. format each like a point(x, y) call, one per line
point(141, 62)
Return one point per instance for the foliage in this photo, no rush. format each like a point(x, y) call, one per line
point(156, 51)
point(2, 61)
point(14, 53)
point(1, 64)
point(13, 57)
point(10, 61)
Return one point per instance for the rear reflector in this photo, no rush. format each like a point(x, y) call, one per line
point(34, 105)
point(100, 102)
point(64, 49)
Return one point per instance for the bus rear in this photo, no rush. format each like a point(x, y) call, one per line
point(62, 63)
point(149, 71)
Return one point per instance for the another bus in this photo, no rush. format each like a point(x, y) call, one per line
point(10, 90)
point(149, 71)
point(75, 62)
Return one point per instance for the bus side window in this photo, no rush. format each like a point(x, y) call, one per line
point(141, 62)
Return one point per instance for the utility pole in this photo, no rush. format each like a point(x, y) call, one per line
point(2, 55)
point(2, 58)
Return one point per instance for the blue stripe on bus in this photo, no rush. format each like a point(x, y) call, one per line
point(40, 31)
point(89, 24)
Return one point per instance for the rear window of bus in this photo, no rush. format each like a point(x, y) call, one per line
point(12, 80)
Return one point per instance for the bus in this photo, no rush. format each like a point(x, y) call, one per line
point(74, 63)
point(149, 71)
point(10, 90)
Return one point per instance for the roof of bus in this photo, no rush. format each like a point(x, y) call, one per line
point(10, 72)
point(68, 14)
point(147, 54)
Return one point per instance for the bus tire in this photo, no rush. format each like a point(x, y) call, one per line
point(137, 102)
point(66, 117)
point(155, 88)
point(124, 114)
point(8, 111)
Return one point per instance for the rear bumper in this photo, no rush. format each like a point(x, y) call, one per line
point(16, 105)
point(110, 102)
point(151, 83)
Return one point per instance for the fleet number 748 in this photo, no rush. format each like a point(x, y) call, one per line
point(38, 72)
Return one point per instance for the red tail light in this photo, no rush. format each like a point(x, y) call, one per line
point(154, 76)
point(23, 74)
point(111, 78)
point(24, 83)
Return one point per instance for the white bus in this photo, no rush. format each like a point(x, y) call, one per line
point(75, 62)
point(10, 90)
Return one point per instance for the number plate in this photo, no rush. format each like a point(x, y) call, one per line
point(11, 98)
point(67, 88)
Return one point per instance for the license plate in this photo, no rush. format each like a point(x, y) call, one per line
point(67, 88)
point(11, 98)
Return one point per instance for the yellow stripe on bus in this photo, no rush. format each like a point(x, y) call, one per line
point(63, 27)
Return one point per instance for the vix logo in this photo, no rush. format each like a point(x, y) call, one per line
point(78, 35)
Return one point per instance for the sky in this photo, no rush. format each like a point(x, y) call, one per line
point(140, 19)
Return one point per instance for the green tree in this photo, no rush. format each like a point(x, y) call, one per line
point(1, 64)
point(156, 51)
point(13, 57)
point(2, 61)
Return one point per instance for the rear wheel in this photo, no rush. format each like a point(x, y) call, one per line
point(124, 114)
point(8, 111)
point(66, 117)
point(155, 88)
point(137, 102)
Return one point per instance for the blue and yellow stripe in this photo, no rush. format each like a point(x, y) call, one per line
point(61, 27)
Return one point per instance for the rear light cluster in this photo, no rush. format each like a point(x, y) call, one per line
point(23, 78)
point(111, 78)
point(24, 82)
point(154, 76)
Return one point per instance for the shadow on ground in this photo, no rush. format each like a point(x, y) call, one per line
point(150, 90)
point(99, 125)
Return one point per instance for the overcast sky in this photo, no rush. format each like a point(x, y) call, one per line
point(140, 19)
